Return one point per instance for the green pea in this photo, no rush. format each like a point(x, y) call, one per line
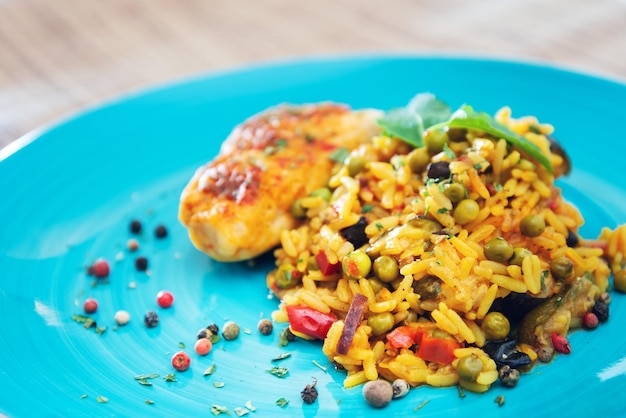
point(381, 323)
point(561, 268)
point(434, 140)
point(323, 192)
point(386, 268)
point(419, 160)
point(455, 192)
point(498, 249)
point(466, 211)
point(376, 284)
point(519, 253)
point(356, 264)
point(496, 326)
point(356, 164)
point(457, 135)
point(532, 225)
point(469, 367)
point(296, 209)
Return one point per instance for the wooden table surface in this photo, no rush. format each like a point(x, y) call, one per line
point(59, 57)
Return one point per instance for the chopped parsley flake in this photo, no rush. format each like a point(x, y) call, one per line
point(367, 208)
point(171, 377)
point(278, 371)
point(282, 402)
point(209, 370)
point(219, 409)
point(448, 152)
point(423, 404)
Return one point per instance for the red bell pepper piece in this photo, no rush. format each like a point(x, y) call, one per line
point(325, 266)
point(440, 350)
point(405, 337)
point(309, 321)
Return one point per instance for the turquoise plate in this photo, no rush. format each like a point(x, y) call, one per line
point(68, 193)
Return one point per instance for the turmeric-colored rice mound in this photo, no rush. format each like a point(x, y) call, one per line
point(454, 247)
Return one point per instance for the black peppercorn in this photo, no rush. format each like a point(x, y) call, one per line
point(151, 319)
point(160, 231)
point(309, 393)
point(135, 226)
point(601, 310)
point(141, 263)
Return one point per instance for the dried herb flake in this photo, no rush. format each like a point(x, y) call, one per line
point(239, 411)
point(282, 402)
point(219, 409)
point(278, 371)
point(102, 399)
point(171, 377)
point(210, 370)
point(281, 356)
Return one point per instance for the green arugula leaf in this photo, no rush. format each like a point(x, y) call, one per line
point(467, 118)
point(404, 124)
point(430, 108)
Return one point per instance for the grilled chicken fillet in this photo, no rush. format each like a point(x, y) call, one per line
point(236, 206)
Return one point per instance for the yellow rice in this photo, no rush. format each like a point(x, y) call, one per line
point(506, 183)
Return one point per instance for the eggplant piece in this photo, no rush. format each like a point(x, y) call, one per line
point(557, 149)
point(505, 353)
point(428, 287)
point(515, 306)
point(356, 233)
point(558, 314)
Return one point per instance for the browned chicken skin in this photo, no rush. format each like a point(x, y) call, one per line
point(236, 206)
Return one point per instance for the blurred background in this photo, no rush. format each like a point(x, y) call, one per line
point(62, 56)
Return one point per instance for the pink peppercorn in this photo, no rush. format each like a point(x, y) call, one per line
point(165, 299)
point(590, 320)
point(181, 361)
point(203, 346)
point(100, 268)
point(560, 343)
point(90, 305)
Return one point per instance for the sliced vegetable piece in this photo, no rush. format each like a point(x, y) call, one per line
point(440, 350)
point(352, 321)
point(405, 336)
point(309, 321)
point(326, 267)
